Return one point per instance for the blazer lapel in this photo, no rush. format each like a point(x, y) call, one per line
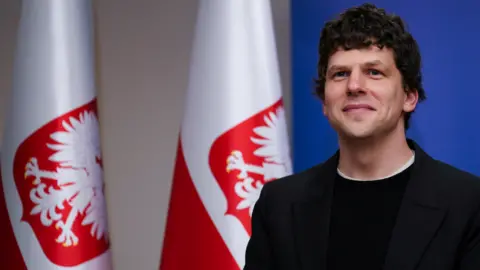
point(418, 219)
point(311, 218)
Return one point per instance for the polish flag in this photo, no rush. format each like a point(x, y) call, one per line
point(233, 137)
point(52, 195)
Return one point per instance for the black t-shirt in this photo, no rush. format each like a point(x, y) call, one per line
point(362, 218)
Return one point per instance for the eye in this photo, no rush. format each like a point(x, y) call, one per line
point(340, 74)
point(374, 72)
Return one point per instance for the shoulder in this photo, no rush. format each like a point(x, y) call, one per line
point(455, 177)
point(444, 179)
point(458, 186)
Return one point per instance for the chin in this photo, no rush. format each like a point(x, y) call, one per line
point(358, 135)
point(356, 132)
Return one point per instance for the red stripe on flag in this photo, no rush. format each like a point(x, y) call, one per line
point(191, 239)
point(10, 255)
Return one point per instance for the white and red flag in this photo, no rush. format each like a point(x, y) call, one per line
point(52, 194)
point(233, 137)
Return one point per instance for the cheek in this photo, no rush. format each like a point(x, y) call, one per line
point(381, 91)
point(376, 95)
point(332, 98)
point(330, 105)
point(388, 96)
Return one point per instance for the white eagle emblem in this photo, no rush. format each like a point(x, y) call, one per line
point(78, 177)
point(273, 149)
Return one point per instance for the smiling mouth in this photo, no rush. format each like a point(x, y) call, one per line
point(359, 107)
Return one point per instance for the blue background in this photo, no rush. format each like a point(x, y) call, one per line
point(445, 125)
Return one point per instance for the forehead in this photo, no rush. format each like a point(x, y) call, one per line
point(360, 56)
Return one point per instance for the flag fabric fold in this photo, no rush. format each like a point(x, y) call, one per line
point(52, 175)
point(233, 137)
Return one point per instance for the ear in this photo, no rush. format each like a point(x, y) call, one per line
point(411, 100)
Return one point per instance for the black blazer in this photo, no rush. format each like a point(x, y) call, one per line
point(438, 224)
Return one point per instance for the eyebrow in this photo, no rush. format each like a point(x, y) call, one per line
point(334, 68)
point(373, 63)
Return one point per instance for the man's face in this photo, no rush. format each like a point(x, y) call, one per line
point(364, 94)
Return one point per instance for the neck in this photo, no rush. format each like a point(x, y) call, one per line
point(373, 158)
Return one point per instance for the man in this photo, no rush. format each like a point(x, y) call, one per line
point(380, 202)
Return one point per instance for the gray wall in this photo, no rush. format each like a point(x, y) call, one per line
point(144, 50)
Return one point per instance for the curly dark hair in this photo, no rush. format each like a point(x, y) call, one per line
point(366, 25)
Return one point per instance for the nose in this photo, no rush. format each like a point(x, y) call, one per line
point(355, 82)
